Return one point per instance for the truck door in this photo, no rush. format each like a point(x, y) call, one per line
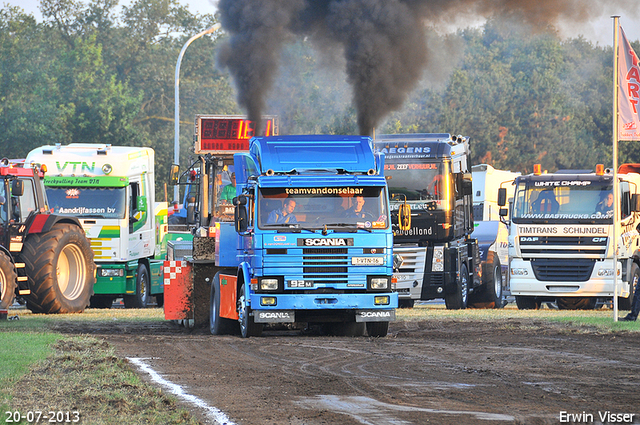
point(22, 206)
point(140, 228)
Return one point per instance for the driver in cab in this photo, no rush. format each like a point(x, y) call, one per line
point(605, 206)
point(357, 209)
point(283, 215)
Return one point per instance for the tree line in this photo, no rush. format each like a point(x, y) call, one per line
point(96, 73)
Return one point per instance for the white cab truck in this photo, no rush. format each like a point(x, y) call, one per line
point(491, 233)
point(561, 237)
point(111, 190)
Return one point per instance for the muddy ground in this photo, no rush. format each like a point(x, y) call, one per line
point(520, 371)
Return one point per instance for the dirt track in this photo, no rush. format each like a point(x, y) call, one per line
point(521, 371)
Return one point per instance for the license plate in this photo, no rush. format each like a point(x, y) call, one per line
point(367, 261)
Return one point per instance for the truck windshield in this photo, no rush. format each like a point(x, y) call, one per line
point(425, 185)
point(315, 207)
point(563, 200)
point(84, 202)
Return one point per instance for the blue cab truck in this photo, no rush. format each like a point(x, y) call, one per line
point(298, 251)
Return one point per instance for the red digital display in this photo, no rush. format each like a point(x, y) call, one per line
point(224, 133)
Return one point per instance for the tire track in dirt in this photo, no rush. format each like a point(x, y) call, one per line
point(450, 373)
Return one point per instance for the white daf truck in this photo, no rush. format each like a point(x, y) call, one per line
point(492, 233)
point(111, 190)
point(561, 237)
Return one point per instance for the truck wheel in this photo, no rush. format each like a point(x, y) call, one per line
point(527, 303)
point(160, 300)
point(625, 303)
point(576, 303)
point(7, 281)
point(377, 329)
point(458, 300)
point(247, 326)
point(141, 298)
point(218, 325)
point(405, 303)
point(60, 268)
point(490, 296)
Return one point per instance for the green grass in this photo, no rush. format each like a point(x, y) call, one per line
point(18, 352)
point(43, 370)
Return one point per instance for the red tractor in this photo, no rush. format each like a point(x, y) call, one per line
point(44, 258)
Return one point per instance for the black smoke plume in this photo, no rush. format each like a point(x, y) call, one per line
point(384, 41)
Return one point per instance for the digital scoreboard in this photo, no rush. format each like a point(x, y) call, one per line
point(219, 134)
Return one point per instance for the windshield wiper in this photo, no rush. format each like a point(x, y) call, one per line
point(351, 226)
point(295, 228)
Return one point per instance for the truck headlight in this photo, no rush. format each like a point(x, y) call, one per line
point(111, 272)
point(379, 283)
point(605, 272)
point(268, 284)
point(519, 272)
point(437, 265)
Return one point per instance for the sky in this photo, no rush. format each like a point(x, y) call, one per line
point(599, 31)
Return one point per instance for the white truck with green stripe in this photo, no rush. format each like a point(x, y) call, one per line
point(111, 190)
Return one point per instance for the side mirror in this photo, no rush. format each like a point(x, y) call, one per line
point(240, 214)
point(635, 203)
point(174, 174)
point(502, 197)
point(241, 219)
point(404, 217)
point(240, 200)
point(467, 185)
point(503, 212)
point(17, 188)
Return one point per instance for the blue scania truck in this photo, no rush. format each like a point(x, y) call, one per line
point(306, 240)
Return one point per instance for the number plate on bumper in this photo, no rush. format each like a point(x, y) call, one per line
point(367, 261)
point(375, 315)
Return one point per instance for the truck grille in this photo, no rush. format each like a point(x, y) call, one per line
point(325, 265)
point(576, 270)
point(437, 279)
point(563, 245)
point(312, 251)
point(413, 259)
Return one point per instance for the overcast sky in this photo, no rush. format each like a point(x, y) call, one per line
point(31, 6)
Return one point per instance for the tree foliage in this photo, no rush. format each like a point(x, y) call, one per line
point(95, 72)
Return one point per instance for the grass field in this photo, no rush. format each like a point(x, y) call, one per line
point(44, 371)
point(41, 369)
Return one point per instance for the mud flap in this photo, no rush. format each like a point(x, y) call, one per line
point(274, 316)
point(375, 315)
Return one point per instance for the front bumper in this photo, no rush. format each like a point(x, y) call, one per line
point(523, 282)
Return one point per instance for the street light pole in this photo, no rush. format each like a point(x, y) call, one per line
point(176, 118)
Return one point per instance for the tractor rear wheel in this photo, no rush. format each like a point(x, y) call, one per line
point(60, 268)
